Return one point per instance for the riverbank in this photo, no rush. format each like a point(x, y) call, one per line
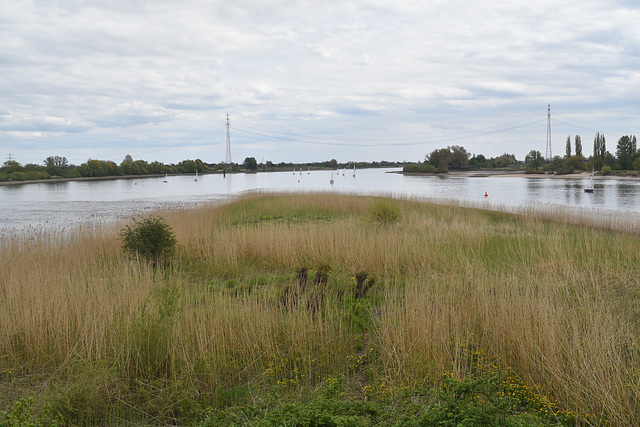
point(331, 309)
point(82, 178)
point(634, 176)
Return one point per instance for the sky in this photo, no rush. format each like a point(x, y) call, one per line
point(303, 81)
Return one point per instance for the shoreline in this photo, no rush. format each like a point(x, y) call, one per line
point(503, 174)
point(80, 178)
point(470, 174)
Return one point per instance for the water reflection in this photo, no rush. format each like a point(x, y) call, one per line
point(534, 188)
point(626, 194)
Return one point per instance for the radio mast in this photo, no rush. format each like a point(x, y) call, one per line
point(548, 155)
point(228, 158)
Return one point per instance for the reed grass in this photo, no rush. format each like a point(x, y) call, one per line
point(554, 303)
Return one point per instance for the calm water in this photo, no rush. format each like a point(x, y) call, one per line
point(67, 203)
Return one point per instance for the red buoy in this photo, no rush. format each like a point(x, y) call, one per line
point(485, 194)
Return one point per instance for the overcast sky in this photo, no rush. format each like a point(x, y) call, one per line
point(307, 81)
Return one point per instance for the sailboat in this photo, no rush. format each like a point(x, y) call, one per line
point(354, 170)
point(165, 177)
point(331, 182)
point(294, 170)
point(592, 187)
point(196, 178)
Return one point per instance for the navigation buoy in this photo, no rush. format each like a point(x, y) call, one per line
point(485, 194)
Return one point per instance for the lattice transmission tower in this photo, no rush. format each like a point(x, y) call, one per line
point(548, 154)
point(228, 158)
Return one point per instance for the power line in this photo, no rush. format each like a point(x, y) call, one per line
point(186, 140)
point(359, 144)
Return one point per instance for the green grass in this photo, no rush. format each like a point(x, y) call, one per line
point(473, 318)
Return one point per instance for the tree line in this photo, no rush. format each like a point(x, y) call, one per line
point(458, 158)
point(627, 157)
point(59, 167)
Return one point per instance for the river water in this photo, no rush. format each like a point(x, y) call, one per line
point(62, 204)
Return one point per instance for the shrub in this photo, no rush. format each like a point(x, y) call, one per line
point(385, 211)
point(21, 414)
point(606, 170)
point(17, 176)
point(422, 168)
point(151, 238)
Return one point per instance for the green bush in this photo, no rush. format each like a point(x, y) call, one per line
point(385, 211)
point(606, 170)
point(17, 176)
point(21, 414)
point(421, 168)
point(150, 238)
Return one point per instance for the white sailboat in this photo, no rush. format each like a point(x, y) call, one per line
point(196, 178)
point(165, 177)
point(331, 182)
point(354, 170)
point(591, 188)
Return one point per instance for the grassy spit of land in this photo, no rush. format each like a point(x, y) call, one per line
point(264, 316)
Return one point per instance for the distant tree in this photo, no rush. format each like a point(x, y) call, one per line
point(186, 166)
point(626, 151)
point(439, 159)
point(56, 161)
point(201, 166)
point(568, 147)
point(504, 161)
point(572, 164)
point(126, 166)
point(555, 165)
point(11, 166)
point(459, 159)
point(156, 167)
point(595, 163)
point(333, 163)
point(140, 167)
point(534, 160)
point(578, 145)
point(32, 167)
point(599, 145)
point(609, 160)
point(250, 163)
point(479, 161)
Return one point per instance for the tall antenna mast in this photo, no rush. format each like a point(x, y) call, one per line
point(228, 158)
point(548, 155)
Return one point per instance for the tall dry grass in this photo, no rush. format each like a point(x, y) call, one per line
point(555, 303)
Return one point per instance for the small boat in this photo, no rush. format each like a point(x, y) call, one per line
point(331, 182)
point(165, 178)
point(196, 178)
point(294, 170)
point(354, 170)
point(592, 187)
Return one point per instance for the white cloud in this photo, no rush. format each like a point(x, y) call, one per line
point(141, 76)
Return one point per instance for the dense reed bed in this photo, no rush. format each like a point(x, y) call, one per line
point(260, 298)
